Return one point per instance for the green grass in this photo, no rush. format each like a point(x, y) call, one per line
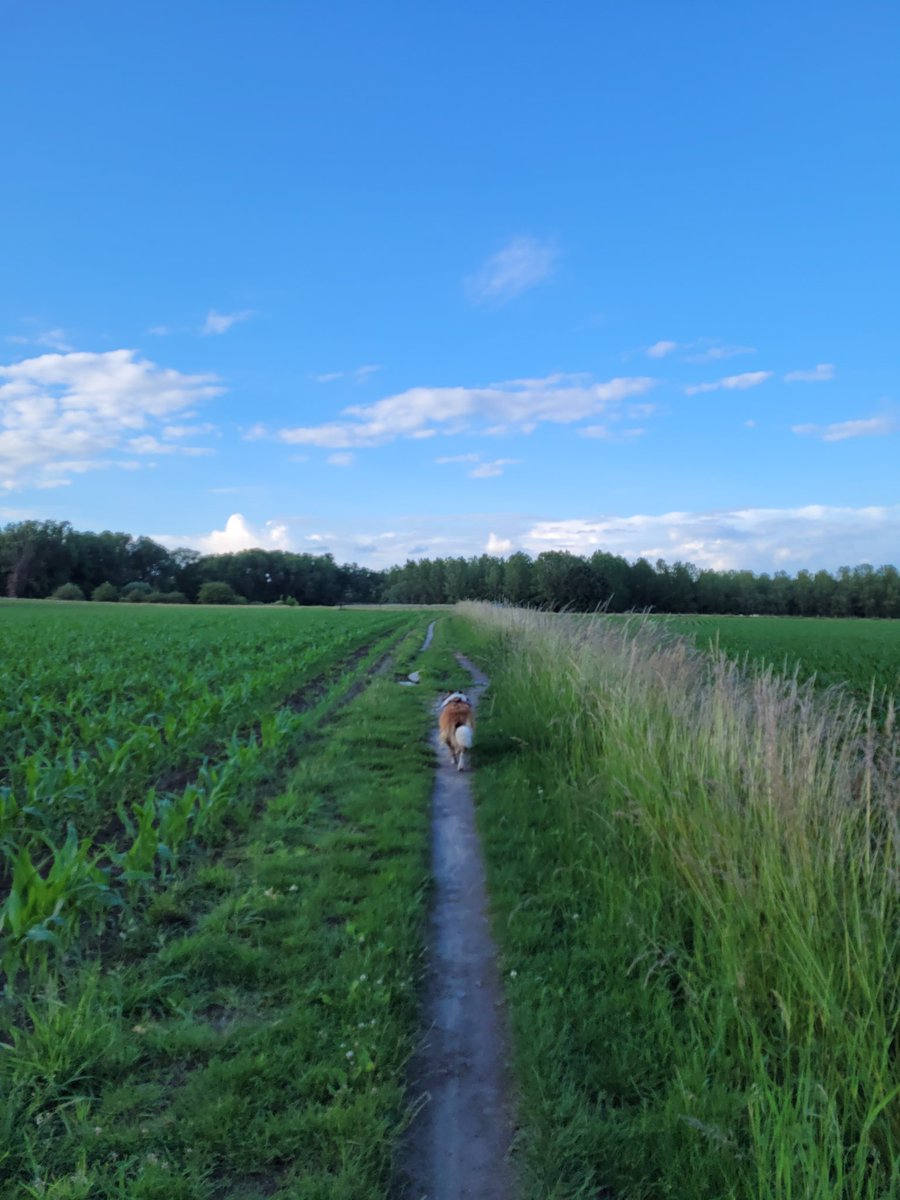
point(860, 656)
point(693, 873)
point(241, 1028)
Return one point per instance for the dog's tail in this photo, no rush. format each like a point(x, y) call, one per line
point(465, 736)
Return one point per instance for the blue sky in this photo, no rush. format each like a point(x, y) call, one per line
point(427, 279)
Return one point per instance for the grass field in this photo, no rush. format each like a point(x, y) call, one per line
point(215, 829)
point(214, 848)
point(693, 872)
point(862, 657)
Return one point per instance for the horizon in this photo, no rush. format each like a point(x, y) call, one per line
point(388, 285)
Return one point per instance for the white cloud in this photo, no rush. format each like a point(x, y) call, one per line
point(759, 539)
point(517, 405)
point(217, 322)
point(488, 470)
point(341, 460)
point(238, 534)
point(68, 413)
point(812, 536)
point(748, 380)
point(525, 262)
point(497, 545)
point(147, 444)
point(661, 349)
point(359, 374)
point(458, 458)
point(180, 431)
point(820, 374)
point(604, 434)
point(715, 353)
point(52, 339)
point(842, 430)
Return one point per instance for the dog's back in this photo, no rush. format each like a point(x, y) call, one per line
point(457, 728)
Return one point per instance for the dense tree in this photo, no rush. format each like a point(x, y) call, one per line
point(38, 557)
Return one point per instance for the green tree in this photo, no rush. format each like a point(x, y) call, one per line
point(216, 591)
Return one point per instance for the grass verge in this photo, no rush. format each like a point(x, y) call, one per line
point(245, 1034)
point(693, 873)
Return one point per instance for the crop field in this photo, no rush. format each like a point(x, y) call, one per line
point(213, 847)
point(857, 655)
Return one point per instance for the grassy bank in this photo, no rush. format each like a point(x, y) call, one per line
point(243, 1030)
point(693, 873)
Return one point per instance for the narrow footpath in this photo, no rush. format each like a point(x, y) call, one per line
point(459, 1143)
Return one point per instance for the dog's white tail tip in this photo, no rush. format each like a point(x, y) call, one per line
point(464, 736)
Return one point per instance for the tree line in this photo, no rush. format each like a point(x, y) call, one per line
point(43, 558)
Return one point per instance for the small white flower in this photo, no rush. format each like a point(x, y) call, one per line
point(349, 1054)
point(513, 974)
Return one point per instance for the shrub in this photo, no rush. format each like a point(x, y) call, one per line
point(105, 592)
point(136, 591)
point(68, 591)
point(165, 598)
point(215, 591)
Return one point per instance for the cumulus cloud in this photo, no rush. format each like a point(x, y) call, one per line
point(238, 534)
point(217, 322)
point(518, 405)
point(820, 374)
point(498, 545)
point(62, 414)
point(842, 430)
point(748, 380)
point(525, 262)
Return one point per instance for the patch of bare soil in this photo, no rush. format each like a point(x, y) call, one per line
point(459, 1143)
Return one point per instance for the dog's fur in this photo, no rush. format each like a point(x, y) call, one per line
point(456, 726)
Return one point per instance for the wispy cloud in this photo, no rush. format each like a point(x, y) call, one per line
point(65, 414)
point(518, 405)
point(147, 444)
point(217, 322)
point(487, 470)
point(52, 339)
point(358, 374)
point(481, 470)
point(603, 433)
point(820, 374)
point(704, 350)
point(748, 380)
point(716, 352)
point(661, 349)
point(342, 459)
point(521, 265)
point(842, 430)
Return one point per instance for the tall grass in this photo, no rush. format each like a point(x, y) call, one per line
point(696, 877)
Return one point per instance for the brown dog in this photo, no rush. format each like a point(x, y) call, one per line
point(456, 726)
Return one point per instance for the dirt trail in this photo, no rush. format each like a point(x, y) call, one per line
point(458, 1146)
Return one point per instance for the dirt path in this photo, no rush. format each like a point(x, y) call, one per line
point(458, 1145)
